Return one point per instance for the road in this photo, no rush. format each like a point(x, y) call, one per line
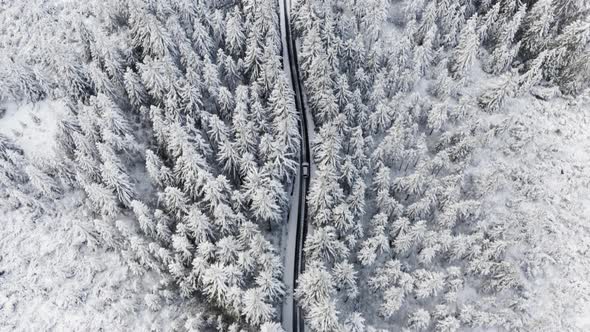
point(292, 318)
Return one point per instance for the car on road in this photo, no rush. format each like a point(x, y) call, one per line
point(305, 167)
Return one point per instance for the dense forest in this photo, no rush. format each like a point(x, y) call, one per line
point(429, 205)
point(399, 92)
point(181, 131)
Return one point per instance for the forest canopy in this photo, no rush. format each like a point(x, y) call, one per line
point(433, 203)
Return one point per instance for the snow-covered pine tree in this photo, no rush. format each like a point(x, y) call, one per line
point(538, 27)
point(466, 52)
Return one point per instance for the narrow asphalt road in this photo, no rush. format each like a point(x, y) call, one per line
point(292, 316)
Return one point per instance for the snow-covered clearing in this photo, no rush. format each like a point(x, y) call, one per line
point(538, 167)
point(32, 126)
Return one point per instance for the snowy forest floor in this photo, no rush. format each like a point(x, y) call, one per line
point(539, 166)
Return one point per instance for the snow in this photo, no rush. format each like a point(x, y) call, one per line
point(289, 240)
point(32, 126)
point(56, 277)
point(539, 166)
point(54, 273)
point(290, 231)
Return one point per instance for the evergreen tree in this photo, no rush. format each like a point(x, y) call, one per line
point(102, 199)
point(419, 320)
point(256, 310)
point(254, 52)
point(282, 108)
point(42, 182)
point(466, 52)
point(323, 316)
point(355, 323)
point(135, 89)
point(493, 99)
point(538, 27)
point(235, 37)
point(149, 33)
point(505, 52)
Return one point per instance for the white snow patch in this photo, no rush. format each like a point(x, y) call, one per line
point(32, 126)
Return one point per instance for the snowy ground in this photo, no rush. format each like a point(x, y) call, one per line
point(538, 166)
point(32, 126)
